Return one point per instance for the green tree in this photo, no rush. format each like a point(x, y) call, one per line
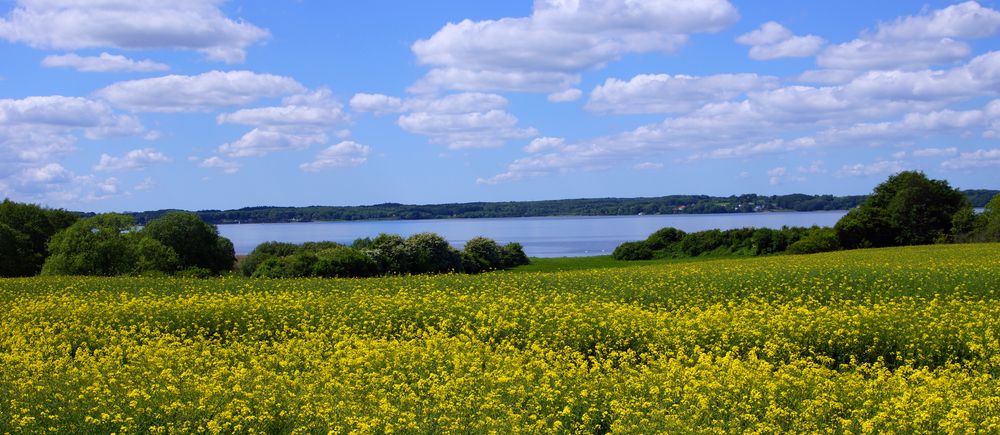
point(906, 209)
point(512, 255)
point(100, 245)
point(485, 252)
point(264, 252)
point(431, 253)
point(197, 244)
point(29, 228)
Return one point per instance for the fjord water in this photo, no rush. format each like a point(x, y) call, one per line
point(562, 236)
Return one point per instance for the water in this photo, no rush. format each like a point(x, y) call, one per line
point(564, 236)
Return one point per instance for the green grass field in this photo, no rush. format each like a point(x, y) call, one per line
point(903, 340)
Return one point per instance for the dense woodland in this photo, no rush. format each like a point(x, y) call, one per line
point(674, 204)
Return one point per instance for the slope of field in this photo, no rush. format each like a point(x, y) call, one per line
point(904, 340)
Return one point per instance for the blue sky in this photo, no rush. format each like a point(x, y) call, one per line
point(118, 105)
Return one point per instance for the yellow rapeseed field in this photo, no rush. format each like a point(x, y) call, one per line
point(900, 340)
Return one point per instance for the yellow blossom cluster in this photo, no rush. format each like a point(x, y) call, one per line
point(903, 340)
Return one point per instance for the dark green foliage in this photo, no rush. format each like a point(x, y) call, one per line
point(484, 252)
point(292, 266)
point(816, 240)
point(100, 245)
point(196, 243)
point(630, 251)
point(906, 209)
point(154, 256)
point(673, 243)
point(344, 262)
point(663, 238)
point(385, 254)
point(984, 227)
point(431, 253)
point(263, 252)
point(25, 230)
point(512, 255)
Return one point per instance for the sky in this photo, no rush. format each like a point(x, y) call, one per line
point(130, 105)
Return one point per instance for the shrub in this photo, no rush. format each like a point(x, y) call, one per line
point(664, 238)
point(100, 245)
point(816, 240)
point(485, 252)
point(263, 252)
point(196, 243)
point(344, 262)
point(431, 253)
point(630, 251)
point(512, 255)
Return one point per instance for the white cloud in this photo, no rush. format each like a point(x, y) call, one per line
point(215, 162)
point(103, 63)
point(773, 41)
point(263, 141)
point(462, 120)
point(566, 96)
point(935, 152)
point(775, 175)
point(133, 160)
point(648, 166)
point(976, 159)
point(376, 103)
point(315, 109)
point(968, 20)
point(546, 51)
point(132, 25)
point(300, 122)
point(828, 76)
point(863, 54)
point(884, 167)
point(545, 144)
point(207, 91)
point(51, 173)
point(343, 154)
point(145, 184)
point(663, 93)
point(915, 41)
point(37, 129)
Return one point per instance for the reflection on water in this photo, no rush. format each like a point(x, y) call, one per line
point(571, 236)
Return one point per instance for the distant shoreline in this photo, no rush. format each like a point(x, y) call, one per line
point(664, 205)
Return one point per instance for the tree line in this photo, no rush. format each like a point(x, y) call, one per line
point(34, 240)
point(675, 204)
point(907, 209)
point(386, 254)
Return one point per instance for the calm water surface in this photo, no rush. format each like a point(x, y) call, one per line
point(565, 236)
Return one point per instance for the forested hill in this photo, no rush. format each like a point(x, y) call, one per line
point(674, 204)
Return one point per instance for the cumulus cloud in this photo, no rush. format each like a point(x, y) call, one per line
point(663, 93)
point(546, 52)
point(566, 96)
point(103, 63)
point(935, 152)
point(35, 130)
point(773, 120)
point(207, 91)
point(215, 162)
point(648, 166)
point(773, 41)
point(132, 25)
point(343, 154)
point(133, 160)
point(915, 42)
point(462, 120)
point(300, 122)
point(51, 182)
point(376, 103)
point(976, 159)
point(883, 167)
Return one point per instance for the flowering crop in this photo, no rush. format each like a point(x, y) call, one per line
point(904, 340)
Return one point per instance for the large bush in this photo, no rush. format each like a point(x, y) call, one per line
point(101, 245)
point(631, 251)
point(906, 209)
point(197, 244)
point(25, 231)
